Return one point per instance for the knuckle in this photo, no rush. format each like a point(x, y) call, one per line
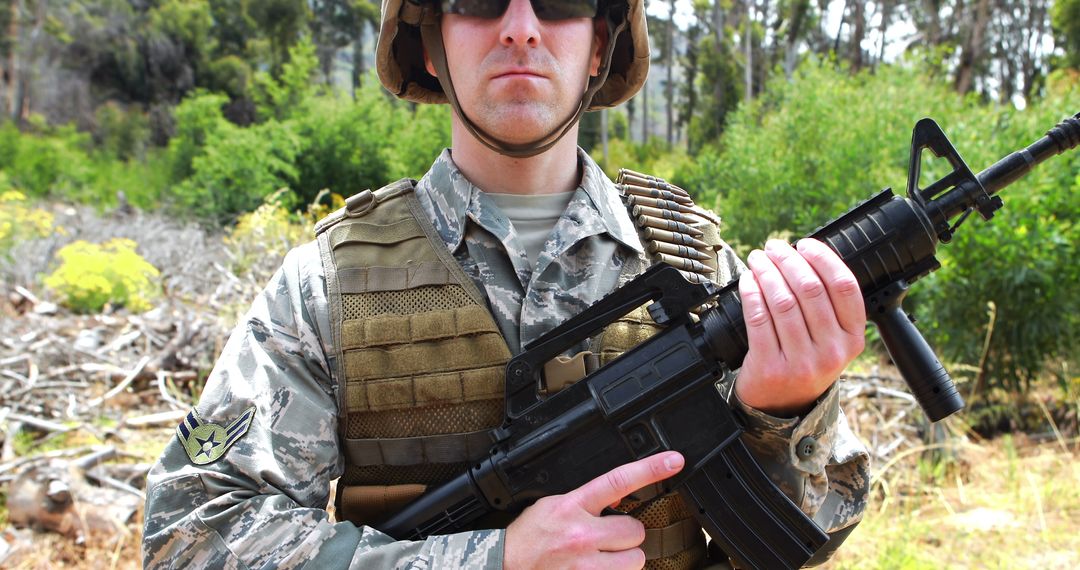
point(858, 344)
point(784, 303)
point(811, 288)
point(577, 537)
point(834, 357)
point(758, 318)
point(846, 285)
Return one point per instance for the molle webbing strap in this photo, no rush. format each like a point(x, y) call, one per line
point(672, 228)
point(371, 279)
point(672, 539)
point(444, 448)
point(435, 325)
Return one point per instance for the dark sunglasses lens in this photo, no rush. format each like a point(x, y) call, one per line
point(564, 9)
point(475, 8)
point(545, 9)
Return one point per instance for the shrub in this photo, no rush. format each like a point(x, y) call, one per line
point(19, 222)
point(261, 238)
point(91, 276)
point(236, 169)
point(48, 161)
point(809, 149)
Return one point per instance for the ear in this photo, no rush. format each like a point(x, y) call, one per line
point(430, 67)
point(600, 41)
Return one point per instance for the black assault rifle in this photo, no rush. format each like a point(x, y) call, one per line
point(661, 394)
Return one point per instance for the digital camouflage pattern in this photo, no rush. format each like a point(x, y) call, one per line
point(262, 503)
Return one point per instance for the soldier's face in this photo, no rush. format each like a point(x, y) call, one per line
point(517, 76)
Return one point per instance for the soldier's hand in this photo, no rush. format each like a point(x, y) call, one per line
point(805, 320)
point(567, 531)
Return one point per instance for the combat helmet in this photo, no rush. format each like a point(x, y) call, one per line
point(408, 25)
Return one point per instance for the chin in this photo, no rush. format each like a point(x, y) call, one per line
point(519, 124)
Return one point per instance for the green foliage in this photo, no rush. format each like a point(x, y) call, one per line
point(287, 95)
point(309, 141)
point(238, 167)
point(818, 145)
point(91, 276)
point(1065, 16)
point(1024, 260)
point(121, 133)
point(198, 120)
point(269, 231)
point(48, 162)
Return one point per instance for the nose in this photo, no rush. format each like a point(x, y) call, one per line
point(519, 25)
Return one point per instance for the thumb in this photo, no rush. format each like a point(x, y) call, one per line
point(613, 486)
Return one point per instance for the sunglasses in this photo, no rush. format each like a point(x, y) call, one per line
point(544, 9)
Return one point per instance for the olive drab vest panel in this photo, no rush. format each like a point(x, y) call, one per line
point(421, 362)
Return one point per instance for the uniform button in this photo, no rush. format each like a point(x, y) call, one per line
point(807, 446)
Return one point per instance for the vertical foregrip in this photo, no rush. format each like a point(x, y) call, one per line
point(930, 383)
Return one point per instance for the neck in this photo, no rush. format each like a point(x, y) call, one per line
point(554, 170)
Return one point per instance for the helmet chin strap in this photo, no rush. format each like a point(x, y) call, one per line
point(431, 33)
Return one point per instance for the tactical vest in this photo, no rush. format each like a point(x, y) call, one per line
point(422, 360)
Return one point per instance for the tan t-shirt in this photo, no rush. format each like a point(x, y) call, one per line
point(533, 217)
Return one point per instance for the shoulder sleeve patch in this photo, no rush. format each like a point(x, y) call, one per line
point(205, 442)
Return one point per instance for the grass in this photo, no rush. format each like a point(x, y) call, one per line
point(1001, 504)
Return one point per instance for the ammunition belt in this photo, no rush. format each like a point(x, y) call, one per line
point(673, 229)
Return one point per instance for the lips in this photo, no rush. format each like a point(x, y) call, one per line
point(522, 72)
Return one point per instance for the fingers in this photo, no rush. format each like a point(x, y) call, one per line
point(783, 305)
point(840, 283)
point(760, 333)
point(616, 533)
point(616, 484)
point(804, 317)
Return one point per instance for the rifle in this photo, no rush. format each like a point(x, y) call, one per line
point(662, 394)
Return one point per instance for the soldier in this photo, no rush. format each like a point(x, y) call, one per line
point(375, 354)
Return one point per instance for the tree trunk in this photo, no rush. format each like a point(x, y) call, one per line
point(1032, 43)
point(718, 38)
point(748, 47)
point(8, 73)
point(358, 58)
point(886, 19)
point(972, 50)
point(693, 36)
point(791, 44)
point(669, 89)
point(932, 33)
point(28, 49)
point(858, 32)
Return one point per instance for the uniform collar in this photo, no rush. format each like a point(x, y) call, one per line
point(453, 199)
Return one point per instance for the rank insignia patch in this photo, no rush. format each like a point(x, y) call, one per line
point(206, 443)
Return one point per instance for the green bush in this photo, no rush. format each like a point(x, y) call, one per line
point(91, 276)
point(808, 150)
point(237, 168)
point(121, 133)
point(47, 161)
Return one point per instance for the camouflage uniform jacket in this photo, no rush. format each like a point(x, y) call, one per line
point(262, 501)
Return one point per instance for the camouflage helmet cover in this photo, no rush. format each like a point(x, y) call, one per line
point(399, 57)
